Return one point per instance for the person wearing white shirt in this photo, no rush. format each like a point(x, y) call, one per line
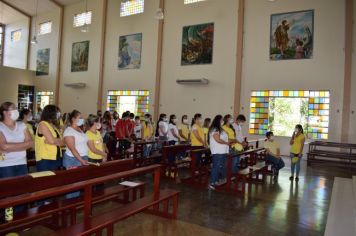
point(240, 121)
point(15, 139)
point(162, 130)
point(219, 147)
point(173, 134)
point(138, 128)
point(76, 141)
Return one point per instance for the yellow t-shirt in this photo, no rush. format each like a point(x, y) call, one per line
point(231, 135)
point(98, 143)
point(185, 130)
point(297, 145)
point(272, 146)
point(147, 130)
point(195, 141)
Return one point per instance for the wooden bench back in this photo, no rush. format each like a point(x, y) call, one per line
point(175, 149)
point(28, 184)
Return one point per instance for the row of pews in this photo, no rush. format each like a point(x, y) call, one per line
point(43, 199)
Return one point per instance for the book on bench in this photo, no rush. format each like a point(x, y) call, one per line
point(129, 183)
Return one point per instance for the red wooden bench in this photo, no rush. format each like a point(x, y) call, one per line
point(59, 209)
point(199, 175)
point(151, 204)
point(140, 160)
point(170, 168)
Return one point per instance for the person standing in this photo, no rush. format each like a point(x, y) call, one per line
point(296, 151)
point(219, 147)
point(184, 131)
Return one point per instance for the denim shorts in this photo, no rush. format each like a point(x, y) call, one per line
point(70, 162)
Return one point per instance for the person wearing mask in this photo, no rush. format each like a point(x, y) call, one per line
point(240, 121)
point(131, 124)
point(138, 128)
point(184, 131)
point(296, 151)
point(162, 129)
point(48, 141)
point(219, 147)
point(121, 133)
point(97, 149)
point(197, 136)
point(147, 131)
point(173, 135)
point(76, 141)
point(235, 147)
point(106, 126)
point(273, 153)
point(206, 126)
point(26, 118)
point(14, 141)
point(115, 118)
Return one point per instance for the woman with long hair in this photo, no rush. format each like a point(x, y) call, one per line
point(296, 151)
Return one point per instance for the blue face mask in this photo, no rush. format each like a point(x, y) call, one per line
point(80, 122)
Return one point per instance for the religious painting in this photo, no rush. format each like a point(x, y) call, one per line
point(197, 44)
point(42, 62)
point(80, 56)
point(292, 35)
point(130, 51)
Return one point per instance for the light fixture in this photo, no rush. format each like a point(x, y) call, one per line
point(159, 14)
point(34, 38)
point(85, 27)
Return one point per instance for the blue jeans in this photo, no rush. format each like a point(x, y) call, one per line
point(12, 171)
point(277, 163)
point(147, 150)
point(219, 167)
point(48, 165)
point(295, 167)
point(70, 162)
point(235, 164)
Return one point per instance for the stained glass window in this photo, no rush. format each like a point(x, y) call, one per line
point(310, 108)
point(45, 28)
point(81, 19)
point(131, 7)
point(44, 98)
point(192, 1)
point(137, 101)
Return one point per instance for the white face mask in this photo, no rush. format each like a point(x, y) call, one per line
point(185, 121)
point(165, 119)
point(271, 138)
point(58, 115)
point(296, 131)
point(231, 121)
point(80, 122)
point(29, 118)
point(200, 121)
point(14, 115)
point(222, 123)
point(98, 126)
point(174, 120)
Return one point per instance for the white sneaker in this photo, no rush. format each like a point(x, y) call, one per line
point(211, 187)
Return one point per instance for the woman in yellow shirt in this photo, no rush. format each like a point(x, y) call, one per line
point(183, 129)
point(48, 141)
point(97, 149)
point(296, 151)
point(236, 147)
point(148, 134)
point(197, 135)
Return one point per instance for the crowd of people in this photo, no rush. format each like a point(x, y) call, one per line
point(70, 140)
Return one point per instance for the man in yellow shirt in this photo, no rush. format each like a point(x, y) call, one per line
point(273, 153)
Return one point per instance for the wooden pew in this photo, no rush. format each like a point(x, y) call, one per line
point(140, 160)
point(250, 171)
point(59, 209)
point(199, 175)
point(337, 154)
point(151, 204)
point(170, 168)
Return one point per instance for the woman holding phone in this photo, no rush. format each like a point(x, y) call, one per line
point(296, 151)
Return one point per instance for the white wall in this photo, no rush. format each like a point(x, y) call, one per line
point(15, 53)
point(218, 96)
point(131, 79)
point(352, 131)
point(46, 82)
point(85, 100)
point(10, 79)
point(324, 71)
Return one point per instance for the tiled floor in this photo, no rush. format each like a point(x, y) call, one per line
point(275, 208)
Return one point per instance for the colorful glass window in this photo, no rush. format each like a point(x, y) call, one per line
point(310, 108)
point(136, 101)
point(131, 7)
